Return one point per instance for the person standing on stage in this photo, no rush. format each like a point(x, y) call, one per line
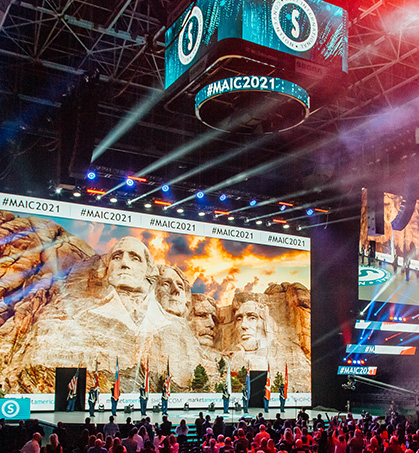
point(92, 399)
point(226, 399)
point(114, 401)
point(245, 399)
point(71, 400)
point(164, 400)
point(143, 399)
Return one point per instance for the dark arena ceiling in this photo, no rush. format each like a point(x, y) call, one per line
point(112, 52)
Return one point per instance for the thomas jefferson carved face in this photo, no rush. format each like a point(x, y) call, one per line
point(171, 292)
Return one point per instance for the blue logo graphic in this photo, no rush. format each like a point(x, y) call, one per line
point(295, 24)
point(190, 36)
point(15, 408)
point(369, 275)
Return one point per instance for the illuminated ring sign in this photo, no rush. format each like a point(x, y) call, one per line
point(253, 83)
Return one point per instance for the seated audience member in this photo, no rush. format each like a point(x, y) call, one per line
point(228, 446)
point(33, 445)
point(174, 445)
point(97, 448)
point(158, 439)
point(108, 442)
point(130, 443)
point(220, 442)
point(271, 446)
point(262, 434)
point(211, 446)
point(165, 446)
point(241, 444)
point(286, 443)
point(181, 432)
point(263, 445)
point(115, 443)
point(393, 446)
point(54, 445)
point(148, 447)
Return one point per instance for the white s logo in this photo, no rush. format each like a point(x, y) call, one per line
point(296, 30)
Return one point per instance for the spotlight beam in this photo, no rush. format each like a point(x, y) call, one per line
point(218, 161)
point(126, 123)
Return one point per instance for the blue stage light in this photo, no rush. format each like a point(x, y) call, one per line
point(91, 175)
point(200, 195)
point(130, 182)
point(252, 202)
point(223, 197)
point(310, 211)
point(165, 188)
point(283, 207)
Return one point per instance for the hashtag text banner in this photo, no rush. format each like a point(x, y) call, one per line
point(53, 208)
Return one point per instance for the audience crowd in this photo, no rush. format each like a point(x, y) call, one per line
point(339, 434)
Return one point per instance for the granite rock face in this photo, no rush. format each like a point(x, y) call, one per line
point(61, 307)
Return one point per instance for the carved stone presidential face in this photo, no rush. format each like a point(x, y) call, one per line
point(172, 291)
point(203, 319)
point(249, 326)
point(128, 266)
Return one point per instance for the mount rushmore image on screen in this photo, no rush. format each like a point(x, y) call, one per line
point(76, 293)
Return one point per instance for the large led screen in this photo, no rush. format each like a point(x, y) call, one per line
point(388, 263)
point(83, 285)
point(313, 30)
point(385, 330)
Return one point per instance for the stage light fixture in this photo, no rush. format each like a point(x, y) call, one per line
point(404, 319)
point(223, 197)
point(130, 182)
point(137, 178)
point(258, 222)
point(95, 192)
point(310, 212)
point(113, 200)
point(268, 223)
point(200, 194)
point(252, 202)
point(201, 214)
point(283, 222)
point(147, 205)
point(362, 362)
point(219, 213)
point(129, 202)
point(58, 190)
point(77, 193)
point(231, 218)
point(91, 175)
point(163, 203)
point(180, 211)
point(286, 226)
point(165, 188)
point(283, 207)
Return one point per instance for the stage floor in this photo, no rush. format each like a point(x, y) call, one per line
point(175, 415)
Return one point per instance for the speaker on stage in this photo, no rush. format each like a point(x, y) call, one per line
point(186, 407)
point(237, 406)
point(157, 408)
point(101, 408)
point(211, 407)
point(128, 409)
